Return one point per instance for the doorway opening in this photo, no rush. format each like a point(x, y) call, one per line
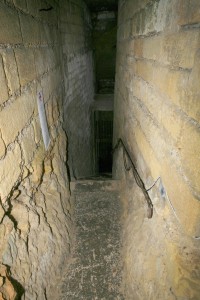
point(103, 141)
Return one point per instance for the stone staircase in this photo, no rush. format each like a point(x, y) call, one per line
point(95, 269)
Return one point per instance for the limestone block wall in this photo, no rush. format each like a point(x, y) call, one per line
point(79, 85)
point(158, 90)
point(34, 195)
point(157, 114)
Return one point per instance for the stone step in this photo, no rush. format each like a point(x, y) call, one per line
point(94, 185)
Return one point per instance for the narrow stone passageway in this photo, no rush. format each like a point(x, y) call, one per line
point(95, 270)
point(90, 88)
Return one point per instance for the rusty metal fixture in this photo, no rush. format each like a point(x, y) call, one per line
point(129, 165)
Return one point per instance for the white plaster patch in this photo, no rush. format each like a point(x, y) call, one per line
point(43, 120)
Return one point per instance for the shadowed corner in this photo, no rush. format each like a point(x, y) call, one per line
point(18, 288)
point(10, 288)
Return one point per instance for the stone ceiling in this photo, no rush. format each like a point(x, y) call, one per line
point(99, 5)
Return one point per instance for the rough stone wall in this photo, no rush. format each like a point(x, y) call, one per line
point(34, 194)
point(104, 45)
point(157, 114)
point(79, 85)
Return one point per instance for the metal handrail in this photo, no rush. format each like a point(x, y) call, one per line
point(131, 166)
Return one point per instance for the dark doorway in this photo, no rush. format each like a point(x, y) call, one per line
point(103, 141)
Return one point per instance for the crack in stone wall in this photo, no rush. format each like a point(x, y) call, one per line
point(35, 209)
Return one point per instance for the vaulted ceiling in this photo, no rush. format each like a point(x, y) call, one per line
point(99, 5)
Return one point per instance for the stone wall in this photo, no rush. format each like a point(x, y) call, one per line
point(79, 86)
point(104, 45)
point(34, 195)
point(157, 115)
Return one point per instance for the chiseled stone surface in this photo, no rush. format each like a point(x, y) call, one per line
point(157, 97)
point(160, 261)
point(7, 290)
point(35, 222)
point(95, 270)
point(35, 228)
point(79, 85)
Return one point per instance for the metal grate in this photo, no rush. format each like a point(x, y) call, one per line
point(103, 141)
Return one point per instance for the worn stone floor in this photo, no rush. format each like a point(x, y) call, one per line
point(95, 271)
